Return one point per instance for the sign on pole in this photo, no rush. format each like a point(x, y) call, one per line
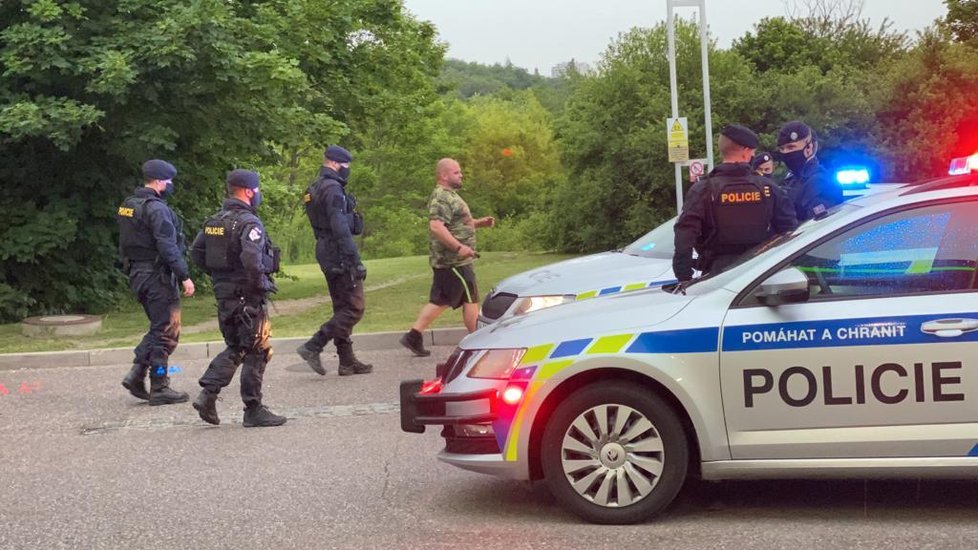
point(697, 168)
point(677, 131)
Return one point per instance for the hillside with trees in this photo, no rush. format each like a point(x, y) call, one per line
point(89, 90)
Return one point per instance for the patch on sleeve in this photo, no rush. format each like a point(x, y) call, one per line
point(254, 235)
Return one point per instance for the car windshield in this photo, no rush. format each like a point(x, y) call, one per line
point(658, 243)
point(779, 240)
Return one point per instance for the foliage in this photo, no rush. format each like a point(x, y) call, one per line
point(962, 19)
point(88, 90)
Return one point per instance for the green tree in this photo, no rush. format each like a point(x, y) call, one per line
point(88, 90)
point(929, 113)
point(962, 19)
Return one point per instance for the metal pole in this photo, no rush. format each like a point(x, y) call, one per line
point(707, 109)
point(671, 41)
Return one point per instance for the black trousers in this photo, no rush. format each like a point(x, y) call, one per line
point(346, 294)
point(246, 328)
point(157, 291)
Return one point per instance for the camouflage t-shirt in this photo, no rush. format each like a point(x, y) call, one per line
point(446, 206)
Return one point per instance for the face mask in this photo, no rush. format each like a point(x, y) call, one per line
point(795, 161)
point(168, 191)
point(256, 200)
point(343, 173)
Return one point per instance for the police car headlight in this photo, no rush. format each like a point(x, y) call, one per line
point(497, 363)
point(534, 303)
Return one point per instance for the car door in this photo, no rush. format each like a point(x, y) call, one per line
point(880, 361)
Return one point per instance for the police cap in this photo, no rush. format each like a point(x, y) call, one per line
point(157, 169)
point(793, 131)
point(760, 158)
point(338, 154)
point(742, 135)
point(243, 178)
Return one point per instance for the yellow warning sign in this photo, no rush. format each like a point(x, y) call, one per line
point(677, 134)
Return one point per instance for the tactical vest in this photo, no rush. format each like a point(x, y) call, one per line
point(135, 235)
point(319, 216)
point(741, 212)
point(222, 240)
point(222, 244)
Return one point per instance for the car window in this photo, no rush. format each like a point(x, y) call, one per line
point(658, 243)
point(922, 250)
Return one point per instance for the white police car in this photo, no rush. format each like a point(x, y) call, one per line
point(847, 349)
point(646, 263)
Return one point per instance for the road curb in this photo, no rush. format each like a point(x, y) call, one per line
point(375, 341)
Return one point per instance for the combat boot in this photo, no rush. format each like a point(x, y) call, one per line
point(413, 341)
point(311, 358)
point(205, 407)
point(260, 417)
point(135, 382)
point(159, 389)
point(349, 364)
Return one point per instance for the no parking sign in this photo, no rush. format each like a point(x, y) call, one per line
point(697, 167)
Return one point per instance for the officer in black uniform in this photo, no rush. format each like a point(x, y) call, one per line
point(809, 186)
point(729, 211)
point(332, 213)
point(763, 164)
point(235, 251)
point(151, 246)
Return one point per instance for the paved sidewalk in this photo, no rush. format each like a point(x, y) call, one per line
point(204, 350)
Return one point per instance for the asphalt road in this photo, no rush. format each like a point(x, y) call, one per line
point(86, 466)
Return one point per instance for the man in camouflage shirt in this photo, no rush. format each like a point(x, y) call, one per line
point(452, 244)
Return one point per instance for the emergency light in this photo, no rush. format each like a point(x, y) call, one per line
point(963, 165)
point(852, 176)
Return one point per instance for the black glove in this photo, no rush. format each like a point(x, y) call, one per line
point(360, 272)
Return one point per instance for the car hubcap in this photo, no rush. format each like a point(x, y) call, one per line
point(612, 455)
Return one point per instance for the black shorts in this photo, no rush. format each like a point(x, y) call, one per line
point(454, 286)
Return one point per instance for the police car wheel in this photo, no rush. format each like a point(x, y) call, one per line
point(614, 453)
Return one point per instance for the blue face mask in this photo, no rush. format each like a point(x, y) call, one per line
point(168, 192)
point(256, 200)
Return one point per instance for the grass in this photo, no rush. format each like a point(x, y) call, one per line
point(396, 290)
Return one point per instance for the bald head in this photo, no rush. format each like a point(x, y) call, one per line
point(448, 173)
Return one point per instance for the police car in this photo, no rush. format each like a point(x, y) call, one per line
point(848, 348)
point(646, 263)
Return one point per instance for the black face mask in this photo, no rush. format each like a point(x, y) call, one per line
point(168, 191)
point(343, 173)
point(795, 161)
point(256, 200)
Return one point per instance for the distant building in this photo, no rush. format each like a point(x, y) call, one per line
point(561, 69)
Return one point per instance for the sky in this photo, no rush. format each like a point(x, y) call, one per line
point(538, 34)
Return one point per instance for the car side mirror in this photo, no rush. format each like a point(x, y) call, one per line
point(788, 286)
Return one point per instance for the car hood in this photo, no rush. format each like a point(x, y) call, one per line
point(616, 314)
point(594, 272)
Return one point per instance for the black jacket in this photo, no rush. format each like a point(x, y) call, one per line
point(812, 191)
point(150, 230)
point(331, 212)
point(250, 250)
point(697, 228)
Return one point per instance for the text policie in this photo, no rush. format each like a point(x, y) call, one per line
point(761, 381)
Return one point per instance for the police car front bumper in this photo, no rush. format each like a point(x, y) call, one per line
point(420, 409)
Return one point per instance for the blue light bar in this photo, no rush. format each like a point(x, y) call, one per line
point(852, 176)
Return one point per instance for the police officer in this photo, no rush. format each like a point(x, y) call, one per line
point(151, 247)
point(729, 211)
point(235, 251)
point(809, 186)
point(332, 213)
point(763, 164)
